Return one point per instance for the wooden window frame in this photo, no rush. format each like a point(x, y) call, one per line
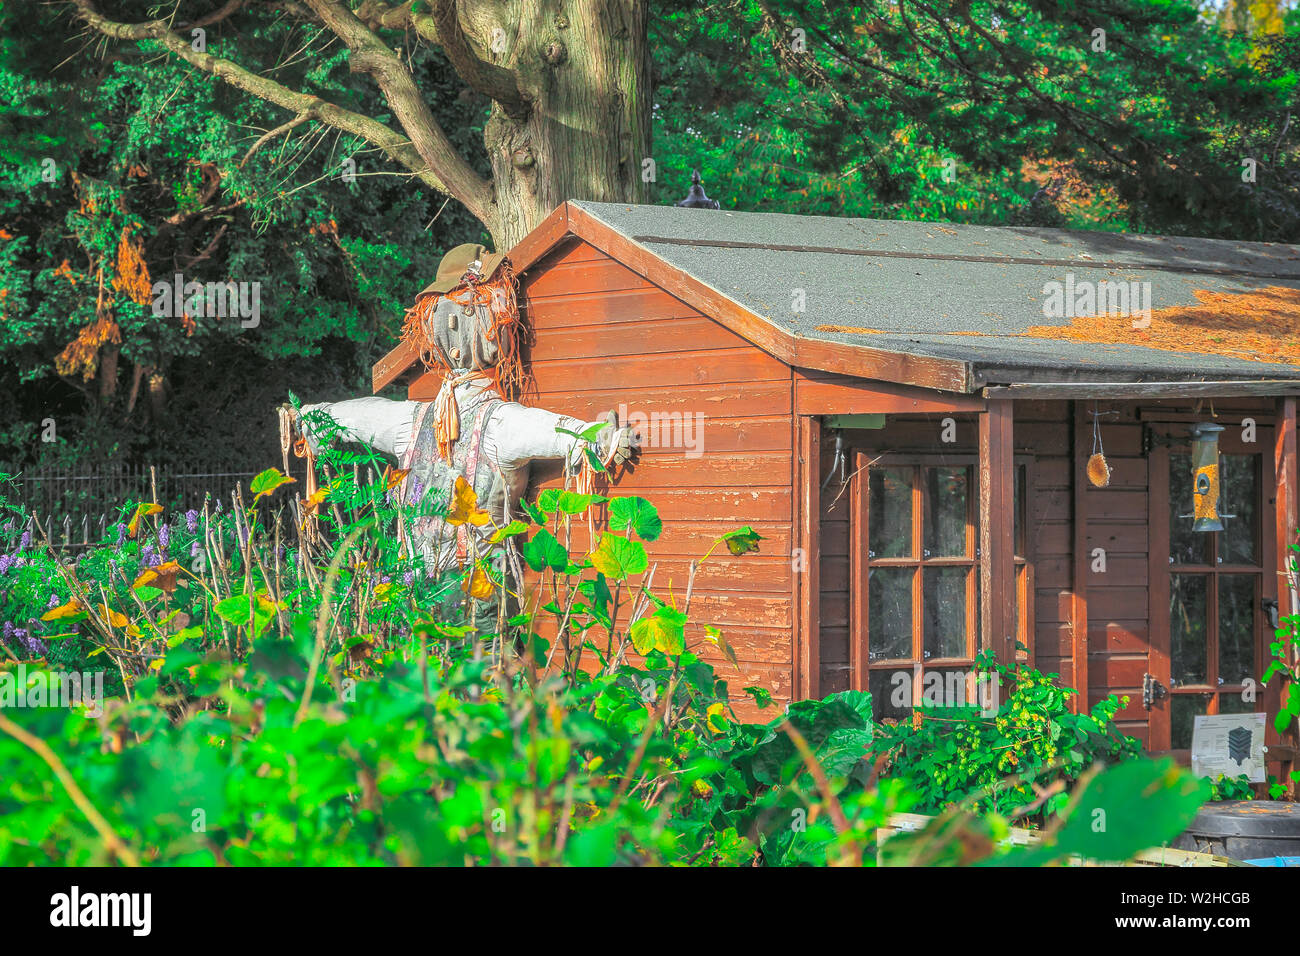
point(861, 562)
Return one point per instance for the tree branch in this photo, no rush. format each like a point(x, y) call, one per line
point(397, 147)
point(442, 28)
point(495, 81)
point(369, 54)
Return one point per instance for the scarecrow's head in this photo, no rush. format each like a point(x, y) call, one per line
point(467, 318)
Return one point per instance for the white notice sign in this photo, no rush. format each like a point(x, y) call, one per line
point(1230, 745)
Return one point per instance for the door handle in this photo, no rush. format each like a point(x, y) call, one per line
point(1152, 691)
point(1269, 606)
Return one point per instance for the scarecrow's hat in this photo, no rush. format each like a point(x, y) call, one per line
point(464, 258)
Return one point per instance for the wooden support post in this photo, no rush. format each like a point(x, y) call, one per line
point(1287, 512)
point(807, 649)
point(1079, 576)
point(997, 482)
point(860, 539)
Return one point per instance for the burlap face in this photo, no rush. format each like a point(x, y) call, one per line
point(463, 334)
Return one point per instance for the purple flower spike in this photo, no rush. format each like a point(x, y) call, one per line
point(25, 541)
point(164, 538)
point(191, 521)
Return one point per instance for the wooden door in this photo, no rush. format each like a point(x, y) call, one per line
point(1209, 591)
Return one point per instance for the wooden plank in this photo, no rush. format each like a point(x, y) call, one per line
point(1078, 620)
point(687, 367)
point(389, 368)
point(997, 480)
point(722, 401)
point(807, 655)
point(1119, 538)
point(582, 309)
point(1137, 390)
point(859, 536)
point(1158, 718)
point(597, 275)
point(1108, 504)
point(1287, 512)
point(817, 393)
point(1018, 836)
point(649, 336)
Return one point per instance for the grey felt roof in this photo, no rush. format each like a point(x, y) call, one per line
point(957, 291)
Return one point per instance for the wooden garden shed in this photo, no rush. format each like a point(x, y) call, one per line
point(905, 412)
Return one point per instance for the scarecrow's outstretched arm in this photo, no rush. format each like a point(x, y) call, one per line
point(381, 423)
point(521, 434)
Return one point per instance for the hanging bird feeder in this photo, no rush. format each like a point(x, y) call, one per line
point(1205, 478)
point(1098, 467)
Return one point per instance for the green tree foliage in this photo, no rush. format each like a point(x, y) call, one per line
point(123, 170)
point(994, 112)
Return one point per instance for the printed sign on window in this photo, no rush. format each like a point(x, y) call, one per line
point(1231, 745)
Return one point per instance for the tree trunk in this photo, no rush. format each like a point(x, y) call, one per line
point(584, 68)
point(108, 371)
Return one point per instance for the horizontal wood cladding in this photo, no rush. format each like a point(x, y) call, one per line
point(713, 413)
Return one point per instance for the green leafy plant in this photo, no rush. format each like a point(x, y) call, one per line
point(1020, 761)
point(340, 701)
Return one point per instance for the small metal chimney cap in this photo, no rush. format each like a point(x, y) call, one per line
point(695, 199)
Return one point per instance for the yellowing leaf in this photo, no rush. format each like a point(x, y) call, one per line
point(395, 477)
point(114, 618)
point(311, 504)
point(464, 506)
point(144, 508)
point(73, 609)
point(162, 577)
point(477, 584)
point(716, 710)
point(268, 481)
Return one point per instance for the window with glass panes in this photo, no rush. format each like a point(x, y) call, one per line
point(1215, 589)
point(923, 572)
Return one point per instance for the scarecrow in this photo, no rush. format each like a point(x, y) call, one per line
point(466, 325)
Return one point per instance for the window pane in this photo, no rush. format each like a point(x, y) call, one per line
point(1182, 708)
point(889, 614)
point(1239, 540)
point(945, 612)
point(890, 517)
point(1233, 704)
point(946, 493)
point(1185, 545)
point(950, 687)
point(1187, 628)
point(891, 693)
point(1236, 627)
